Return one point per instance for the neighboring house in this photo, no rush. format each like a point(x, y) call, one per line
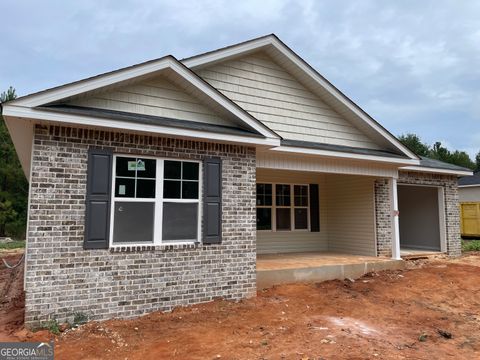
point(158, 184)
point(469, 196)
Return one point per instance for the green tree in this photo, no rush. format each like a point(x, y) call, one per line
point(13, 184)
point(415, 144)
point(439, 152)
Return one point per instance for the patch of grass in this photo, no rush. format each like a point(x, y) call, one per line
point(16, 244)
point(470, 245)
point(52, 326)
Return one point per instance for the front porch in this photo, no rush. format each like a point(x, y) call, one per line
point(275, 269)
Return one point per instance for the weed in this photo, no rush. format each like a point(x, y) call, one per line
point(79, 318)
point(422, 337)
point(52, 326)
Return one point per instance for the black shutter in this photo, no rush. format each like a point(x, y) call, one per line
point(314, 209)
point(212, 201)
point(99, 184)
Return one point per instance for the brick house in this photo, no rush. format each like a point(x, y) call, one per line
point(160, 184)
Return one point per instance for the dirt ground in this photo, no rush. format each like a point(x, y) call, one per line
point(431, 311)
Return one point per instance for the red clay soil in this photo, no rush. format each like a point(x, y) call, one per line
point(12, 299)
point(407, 314)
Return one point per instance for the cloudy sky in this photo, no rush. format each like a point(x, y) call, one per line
point(413, 65)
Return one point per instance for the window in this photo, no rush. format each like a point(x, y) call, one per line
point(180, 206)
point(264, 206)
point(300, 207)
point(283, 217)
point(283, 207)
point(155, 201)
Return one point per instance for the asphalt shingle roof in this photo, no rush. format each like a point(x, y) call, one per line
point(470, 180)
point(437, 164)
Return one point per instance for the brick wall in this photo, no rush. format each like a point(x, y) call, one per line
point(62, 278)
point(383, 219)
point(383, 211)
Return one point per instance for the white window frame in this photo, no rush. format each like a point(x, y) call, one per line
point(291, 207)
point(158, 200)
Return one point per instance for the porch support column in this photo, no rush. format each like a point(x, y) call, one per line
point(395, 222)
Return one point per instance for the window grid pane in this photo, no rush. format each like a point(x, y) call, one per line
point(264, 219)
point(135, 177)
point(283, 219)
point(181, 180)
point(301, 195)
point(264, 194)
point(301, 218)
point(282, 193)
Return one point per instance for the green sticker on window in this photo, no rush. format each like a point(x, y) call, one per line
point(138, 165)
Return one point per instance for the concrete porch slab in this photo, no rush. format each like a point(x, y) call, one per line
point(276, 269)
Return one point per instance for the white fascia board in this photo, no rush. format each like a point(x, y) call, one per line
point(90, 121)
point(345, 155)
point(221, 55)
point(436, 170)
point(468, 186)
point(273, 41)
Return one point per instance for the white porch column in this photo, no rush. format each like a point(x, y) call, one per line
point(395, 222)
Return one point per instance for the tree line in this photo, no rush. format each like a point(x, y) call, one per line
point(14, 186)
point(439, 152)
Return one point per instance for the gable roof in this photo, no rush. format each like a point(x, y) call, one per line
point(134, 73)
point(473, 180)
point(311, 79)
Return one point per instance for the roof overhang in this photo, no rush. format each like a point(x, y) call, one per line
point(469, 186)
point(310, 77)
point(436, 170)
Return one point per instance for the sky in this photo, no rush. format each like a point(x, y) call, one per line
point(412, 65)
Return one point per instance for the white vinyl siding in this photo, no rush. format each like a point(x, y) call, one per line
point(293, 241)
point(296, 162)
point(469, 194)
point(347, 215)
point(273, 96)
point(351, 214)
point(155, 97)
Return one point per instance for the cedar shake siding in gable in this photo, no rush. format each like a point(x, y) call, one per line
point(63, 278)
point(273, 96)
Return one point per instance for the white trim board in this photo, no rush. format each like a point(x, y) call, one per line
point(436, 170)
point(272, 42)
point(346, 155)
